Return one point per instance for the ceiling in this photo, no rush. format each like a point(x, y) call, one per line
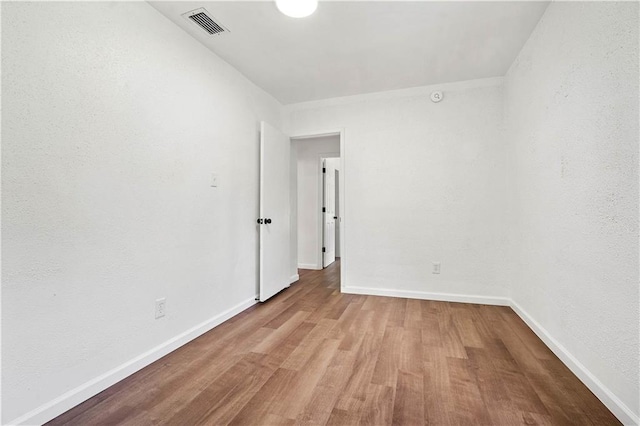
point(348, 48)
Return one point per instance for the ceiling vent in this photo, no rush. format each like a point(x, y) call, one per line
point(204, 20)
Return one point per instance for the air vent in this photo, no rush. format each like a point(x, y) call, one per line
point(204, 20)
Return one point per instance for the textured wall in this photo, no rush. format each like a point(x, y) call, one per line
point(113, 120)
point(572, 114)
point(425, 182)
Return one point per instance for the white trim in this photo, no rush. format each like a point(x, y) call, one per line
point(294, 278)
point(608, 398)
point(312, 266)
point(342, 195)
point(423, 295)
point(315, 135)
point(70, 399)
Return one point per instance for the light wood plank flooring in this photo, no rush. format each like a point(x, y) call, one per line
point(312, 355)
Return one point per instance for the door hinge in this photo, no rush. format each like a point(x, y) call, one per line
point(324, 170)
point(324, 210)
point(324, 249)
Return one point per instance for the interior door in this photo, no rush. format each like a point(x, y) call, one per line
point(274, 211)
point(329, 214)
point(337, 215)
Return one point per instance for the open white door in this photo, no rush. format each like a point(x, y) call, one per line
point(274, 211)
point(329, 213)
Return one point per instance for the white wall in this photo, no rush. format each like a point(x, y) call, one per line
point(113, 120)
point(572, 114)
point(309, 152)
point(424, 182)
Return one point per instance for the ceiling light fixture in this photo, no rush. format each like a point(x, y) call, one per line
point(297, 8)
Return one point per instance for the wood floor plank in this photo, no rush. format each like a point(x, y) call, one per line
point(386, 369)
point(281, 333)
point(438, 403)
point(451, 341)
point(582, 397)
point(493, 390)
point(360, 324)
point(353, 395)
point(378, 407)
point(282, 318)
point(413, 314)
point(300, 391)
point(329, 389)
point(222, 399)
point(329, 303)
point(398, 312)
point(467, 400)
point(468, 332)
point(344, 321)
point(373, 302)
point(309, 345)
point(408, 405)
point(341, 417)
point(313, 356)
point(410, 357)
point(265, 399)
point(550, 394)
point(526, 335)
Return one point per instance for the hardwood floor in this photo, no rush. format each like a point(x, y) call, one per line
point(312, 355)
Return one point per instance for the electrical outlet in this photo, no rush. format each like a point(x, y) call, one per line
point(161, 307)
point(436, 268)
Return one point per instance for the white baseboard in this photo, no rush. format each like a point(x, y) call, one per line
point(294, 278)
point(66, 401)
point(608, 398)
point(423, 295)
point(311, 266)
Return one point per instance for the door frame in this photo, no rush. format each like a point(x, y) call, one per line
point(342, 195)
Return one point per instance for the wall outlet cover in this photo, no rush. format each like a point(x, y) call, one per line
point(161, 307)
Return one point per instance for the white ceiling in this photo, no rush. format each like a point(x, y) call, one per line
point(348, 48)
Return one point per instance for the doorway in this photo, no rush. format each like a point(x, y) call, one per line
point(312, 228)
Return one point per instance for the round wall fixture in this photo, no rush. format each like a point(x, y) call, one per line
point(297, 8)
point(436, 96)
